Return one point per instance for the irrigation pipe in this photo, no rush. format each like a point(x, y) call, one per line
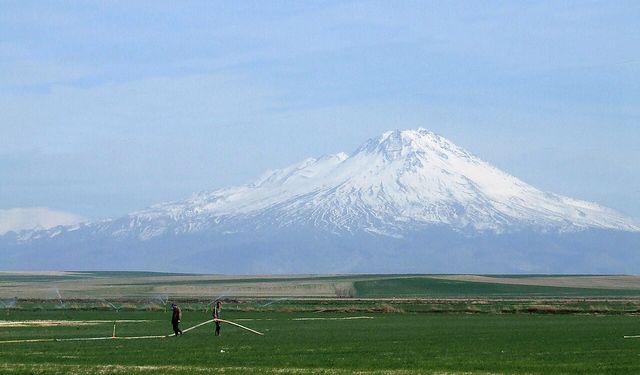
point(632, 337)
point(239, 325)
point(224, 321)
point(198, 325)
point(114, 337)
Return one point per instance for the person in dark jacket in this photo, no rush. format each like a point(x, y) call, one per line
point(216, 315)
point(176, 317)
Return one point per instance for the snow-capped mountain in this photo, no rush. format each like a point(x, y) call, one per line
point(389, 185)
point(400, 187)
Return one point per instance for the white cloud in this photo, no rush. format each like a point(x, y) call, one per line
point(15, 219)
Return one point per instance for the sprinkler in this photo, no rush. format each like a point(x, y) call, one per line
point(55, 288)
point(274, 301)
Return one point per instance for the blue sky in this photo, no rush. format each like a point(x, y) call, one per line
point(108, 107)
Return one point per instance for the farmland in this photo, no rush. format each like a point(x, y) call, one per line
point(391, 324)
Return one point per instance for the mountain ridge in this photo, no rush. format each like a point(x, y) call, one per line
point(406, 176)
point(407, 201)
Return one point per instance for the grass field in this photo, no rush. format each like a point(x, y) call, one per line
point(388, 343)
point(408, 324)
point(433, 287)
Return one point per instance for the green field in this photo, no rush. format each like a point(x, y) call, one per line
point(425, 286)
point(407, 324)
point(86, 285)
point(388, 343)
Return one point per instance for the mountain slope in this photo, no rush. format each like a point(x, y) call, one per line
point(406, 201)
point(390, 184)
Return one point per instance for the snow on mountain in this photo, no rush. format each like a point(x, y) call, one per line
point(397, 182)
point(408, 201)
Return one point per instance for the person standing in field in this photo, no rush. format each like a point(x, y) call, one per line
point(216, 315)
point(176, 317)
